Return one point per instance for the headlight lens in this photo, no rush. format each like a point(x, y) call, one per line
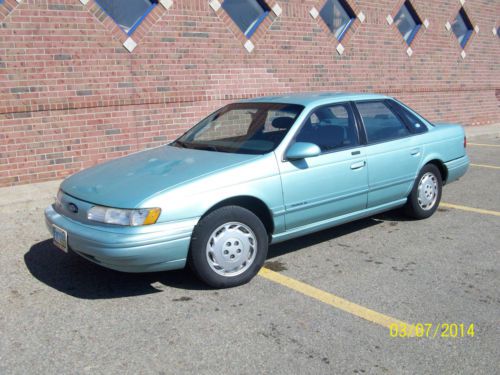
point(58, 198)
point(118, 216)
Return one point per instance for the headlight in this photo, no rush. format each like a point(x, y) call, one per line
point(118, 216)
point(58, 198)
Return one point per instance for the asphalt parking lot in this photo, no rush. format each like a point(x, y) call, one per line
point(62, 314)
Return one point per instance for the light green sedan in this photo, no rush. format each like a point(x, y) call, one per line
point(253, 173)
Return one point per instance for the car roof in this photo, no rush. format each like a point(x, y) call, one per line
point(314, 99)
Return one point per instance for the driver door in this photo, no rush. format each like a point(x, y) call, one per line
point(332, 184)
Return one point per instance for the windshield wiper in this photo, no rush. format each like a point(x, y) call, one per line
point(207, 147)
point(195, 146)
point(180, 143)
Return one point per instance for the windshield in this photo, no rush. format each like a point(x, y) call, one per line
point(242, 128)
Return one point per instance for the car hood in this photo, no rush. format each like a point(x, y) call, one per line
point(128, 181)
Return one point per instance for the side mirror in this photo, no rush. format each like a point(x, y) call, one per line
point(302, 150)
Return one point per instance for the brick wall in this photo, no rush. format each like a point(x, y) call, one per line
point(71, 95)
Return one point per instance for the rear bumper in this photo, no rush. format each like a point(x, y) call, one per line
point(160, 247)
point(457, 168)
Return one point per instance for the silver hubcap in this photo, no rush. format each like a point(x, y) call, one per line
point(231, 249)
point(427, 191)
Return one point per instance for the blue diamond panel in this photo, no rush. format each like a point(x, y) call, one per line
point(408, 22)
point(247, 14)
point(339, 16)
point(462, 27)
point(129, 14)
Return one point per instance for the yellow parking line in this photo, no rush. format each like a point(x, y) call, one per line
point(330, 299)
point(343, 304)
point(482, 144)
point(469, 209)
point(485, 166)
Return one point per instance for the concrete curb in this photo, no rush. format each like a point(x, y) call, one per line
point(29, 193)
point(481, 130)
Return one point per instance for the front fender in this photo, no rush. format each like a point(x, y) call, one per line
point(259, 179)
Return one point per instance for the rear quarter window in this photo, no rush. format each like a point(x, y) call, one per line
point(417, 125)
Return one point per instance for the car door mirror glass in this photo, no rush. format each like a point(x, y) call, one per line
point(302, 150)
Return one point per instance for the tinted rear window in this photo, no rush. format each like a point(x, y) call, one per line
point(381, 123)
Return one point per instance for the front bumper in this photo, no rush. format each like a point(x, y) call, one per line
point(457, 168)
point(158, 247)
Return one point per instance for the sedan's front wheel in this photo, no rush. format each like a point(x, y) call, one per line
point(228, 247)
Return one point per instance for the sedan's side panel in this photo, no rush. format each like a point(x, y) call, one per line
point(258, 178)
point(445, 143)
point(457, 168)
point(323, 187)
point(334, 221)
point(392, 169)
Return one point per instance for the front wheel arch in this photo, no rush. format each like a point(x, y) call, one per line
point(253, 204)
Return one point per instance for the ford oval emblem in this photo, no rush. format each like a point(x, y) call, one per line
point(72, 207)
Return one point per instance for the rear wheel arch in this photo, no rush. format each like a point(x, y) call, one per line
point(253, 204)
point(442, 168)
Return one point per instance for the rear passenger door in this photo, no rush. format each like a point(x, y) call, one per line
point(393, 153)
point(333, 183)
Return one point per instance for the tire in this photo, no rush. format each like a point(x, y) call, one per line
point(228, 247)
point(425, 196)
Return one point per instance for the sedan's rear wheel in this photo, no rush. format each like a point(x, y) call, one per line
point(426, 193)
point(228, 247)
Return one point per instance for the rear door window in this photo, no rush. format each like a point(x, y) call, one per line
point(416, 125)
point(381, 123)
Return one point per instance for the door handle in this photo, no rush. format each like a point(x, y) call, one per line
point(415, 152)
point(358, 165)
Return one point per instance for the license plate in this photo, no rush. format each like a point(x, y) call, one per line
point(60, 238)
